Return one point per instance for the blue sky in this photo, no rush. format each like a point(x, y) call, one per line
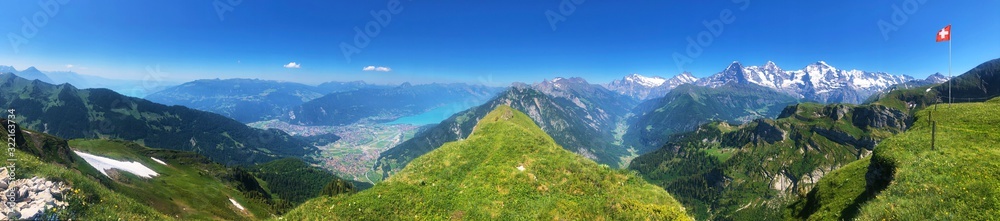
point(493, 42)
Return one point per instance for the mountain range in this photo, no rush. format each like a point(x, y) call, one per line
point(133, 88)
point(68, 112)
point(817, 82)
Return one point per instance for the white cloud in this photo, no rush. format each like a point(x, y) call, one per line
point(293, 65)
point(379, 69)
point(69, 66)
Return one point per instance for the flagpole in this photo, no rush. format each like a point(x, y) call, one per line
point(950, 78)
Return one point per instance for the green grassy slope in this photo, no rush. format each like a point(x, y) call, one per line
point(188, 187)
point(751, 171)
point(955, 181)
point(481, 178)
point(89, 198)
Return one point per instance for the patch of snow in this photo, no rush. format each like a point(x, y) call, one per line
point(158, 161)
point(520, 167)
point(236, 204)
point(103, 163)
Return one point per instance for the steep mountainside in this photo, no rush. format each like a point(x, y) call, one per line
point(688, 106)
point(374, 105)
point(580, 117)
point(749, 172)
point(246, 100)
point(508, 169)
point(976, 85)
point(979, 84)
point(67, 112)
point(816, 82)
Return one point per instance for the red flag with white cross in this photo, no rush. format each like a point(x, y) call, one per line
point(944, 34)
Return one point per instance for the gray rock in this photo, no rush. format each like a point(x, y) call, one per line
point(32, 211)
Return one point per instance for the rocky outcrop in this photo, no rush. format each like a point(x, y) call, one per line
point(32, 197)
point(762, 131)
point(782, 182)
point(837, 111)
point(878, 116)
point(842, 137)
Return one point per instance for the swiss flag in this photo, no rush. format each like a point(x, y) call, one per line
point(944, 34)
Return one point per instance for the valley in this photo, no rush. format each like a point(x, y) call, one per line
point(352, 156)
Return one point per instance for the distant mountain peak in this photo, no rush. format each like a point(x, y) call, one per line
point(646, 81)
point(770, 65)
point(735, 66)
point(821, 64)
point(937, 78)
point(566, 81)
point(683, 78)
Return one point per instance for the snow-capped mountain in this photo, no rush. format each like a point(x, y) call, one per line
point(817, 82)
point(643, 88)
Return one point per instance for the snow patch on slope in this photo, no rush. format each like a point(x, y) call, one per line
point(103, 164)
point(238, 206)
point(158, 161)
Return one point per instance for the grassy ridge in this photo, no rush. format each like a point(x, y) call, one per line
point(481, 178)
point(955, 181)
